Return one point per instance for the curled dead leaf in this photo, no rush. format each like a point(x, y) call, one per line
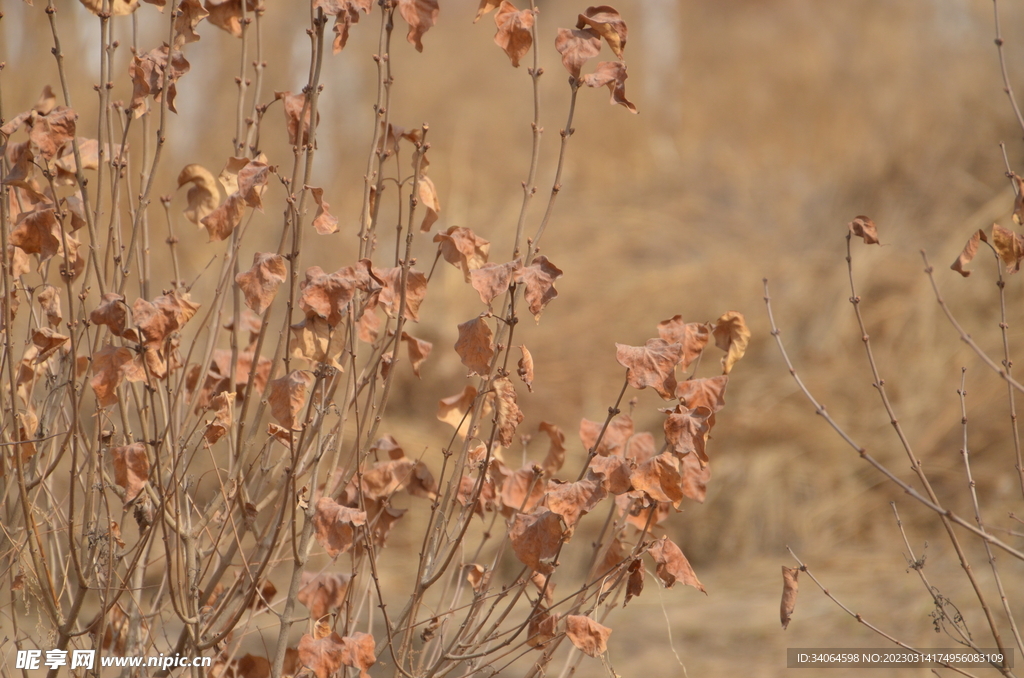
point(525, 368)
point(463, 248)
point(287, 397)
point(491, 280)
point(692, 336)
point(535, 539)
point(323, 592)
point(1009, 246)
point(572, 501)
point(259, 284)
point(514, 34)
point(673, 565)
point(864, 228)
point(334, 525)
point(509, 414)
point(652, 364)
point(420, 15)
point(613, 75)
point(555, 457)
point(539, 281)
point(475, 345)
point(790, 588)
point(709, 393)
point(131, 469)
point(970, 249)
point(732, 336)
point(606, 22)
point(587, 635)
point(203, 195)
point(577, 46)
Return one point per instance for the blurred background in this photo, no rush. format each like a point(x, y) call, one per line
point(764, 127)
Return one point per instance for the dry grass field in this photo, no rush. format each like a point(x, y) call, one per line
point(764, 127)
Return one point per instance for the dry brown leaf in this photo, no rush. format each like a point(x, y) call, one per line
point(572, 501)
point(108, 365)
point(112, 312)
point(635, 581)
point(454, 410)
point(463, 248)
point(48, 297)
point(542, 628)
point(148, 73)
point(323, 592)
point(864, 228)
point(294, 105)
point(115, 8)
point(385, 478)
point(620, 428)
point(555, 458)
point(164, 315)
point(221, 222)
point(346, 13)
point(514, 31)
point(318, 342)
point(259, 284)
point(37, 232)
point(1018, 202)
point(577, 47)
point(970, 249)
point(252, 182)
point(51, 132)
point(673, 565)
point(228, 177)
point(536, 538)
point(652, 364)
point(221, 424)
point(1009, 246)
point(709, 393)
point(391, 294)
point(525, 368)
point(692, 336)
point(732, 336)
point(615, 473)
point(660, 478)
point(47, 341)
point(686, 431)
point(131, 469)
point(490, 280)
point(227, 14)
point(485, 7)
point(613, 74)
point(203, 195)
point(428, 200)
point(475, 345)
point(476, 576)
point(359, 651)
point(324, 222)
point(419, 350)
point(790, 588)
point(509, 415)
point(587, 635)
point(608, 23)
point(321, 653)
point(420, 15)
point(287, 397)
point(334, 525)
point(523, 490)
point(327, 294)
point(190, 13)
point(539, 280)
